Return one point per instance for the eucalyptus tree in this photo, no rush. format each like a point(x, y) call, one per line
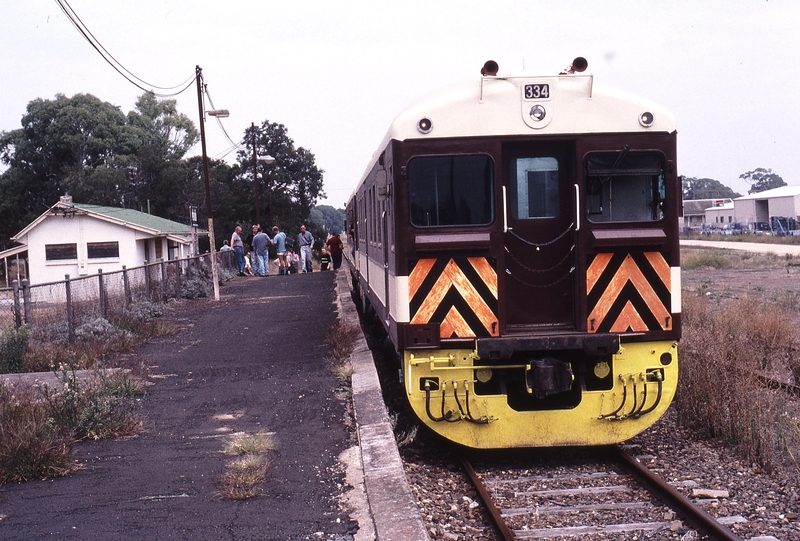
point(761, 180)
point(91, 149)
point(288, 188)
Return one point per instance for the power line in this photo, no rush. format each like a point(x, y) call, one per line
point(113, 62)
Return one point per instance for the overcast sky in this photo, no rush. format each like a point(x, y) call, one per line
point(337, 73)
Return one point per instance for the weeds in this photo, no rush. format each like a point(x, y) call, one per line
point(341, 338)
point(13, 345)
point(31, 445)
point(724, 351)
point(245, 475)
point(250, 444)
point(719, 258)
point(698, 259)
point(40, 424)
point(94, 408)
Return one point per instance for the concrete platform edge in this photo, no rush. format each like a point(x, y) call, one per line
point(393, 508)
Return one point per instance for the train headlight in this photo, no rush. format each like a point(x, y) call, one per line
point(646, 119)
point(483, 375)
point(424, 125)
point(601, 370)
point(538, 113)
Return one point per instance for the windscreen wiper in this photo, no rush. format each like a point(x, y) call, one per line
point(622, 154)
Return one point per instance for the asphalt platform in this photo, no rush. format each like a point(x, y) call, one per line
point(253, 362)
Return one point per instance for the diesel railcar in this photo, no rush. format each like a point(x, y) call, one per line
point(517, 235)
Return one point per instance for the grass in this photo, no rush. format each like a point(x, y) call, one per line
point(250, 444)
point(718, 258)
point(245, 475)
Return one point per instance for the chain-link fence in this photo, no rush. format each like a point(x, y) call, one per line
point(56, 310)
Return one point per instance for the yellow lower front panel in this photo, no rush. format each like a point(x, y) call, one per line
point(645, 376)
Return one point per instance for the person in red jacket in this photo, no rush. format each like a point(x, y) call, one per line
point(335, 248)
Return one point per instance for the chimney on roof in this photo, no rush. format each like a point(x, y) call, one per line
point(66, 198)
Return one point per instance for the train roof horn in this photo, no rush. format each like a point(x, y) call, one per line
point(578, 65)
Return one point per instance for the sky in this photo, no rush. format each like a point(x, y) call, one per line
point(337, 73)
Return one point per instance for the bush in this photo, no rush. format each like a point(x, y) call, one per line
point(13, 344)
point(94, 408)
point(197, 282)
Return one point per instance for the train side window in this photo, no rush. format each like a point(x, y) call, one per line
point(450, 190)
point(625, 186)
point(534, 188)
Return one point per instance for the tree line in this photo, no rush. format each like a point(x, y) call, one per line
point(760, 180)
point(92, 150)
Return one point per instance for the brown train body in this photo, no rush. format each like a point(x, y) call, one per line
point(527, 274)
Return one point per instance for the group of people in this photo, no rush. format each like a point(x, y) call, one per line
point(256, 261)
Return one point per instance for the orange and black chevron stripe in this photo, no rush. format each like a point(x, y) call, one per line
point(460, 294)
point(628, 293)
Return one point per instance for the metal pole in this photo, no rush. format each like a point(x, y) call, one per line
point(255, 173)
point(212, 242)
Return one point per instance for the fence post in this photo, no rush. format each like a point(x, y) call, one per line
point(17, 307)
point(26, 300)
point(147, 281)
point(101, 286)
point(127, 286)
point(70, 318)
point(163, 286)
point(178, 271)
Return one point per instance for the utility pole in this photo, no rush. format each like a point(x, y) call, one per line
point(255, 172)
point(212, 242)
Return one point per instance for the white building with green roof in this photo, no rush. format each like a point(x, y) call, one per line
point(78, 240)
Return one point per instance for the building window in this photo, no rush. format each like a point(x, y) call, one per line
point(102, 250)
point(60, 252)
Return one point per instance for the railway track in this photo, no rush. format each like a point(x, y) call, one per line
point(611, 496)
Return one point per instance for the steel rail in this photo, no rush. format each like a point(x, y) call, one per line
point(788, 388)
point(660, 489)
point(494, 512)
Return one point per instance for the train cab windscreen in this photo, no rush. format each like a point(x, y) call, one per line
point(625, 186)
point(450, 190)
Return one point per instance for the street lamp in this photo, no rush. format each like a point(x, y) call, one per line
point(265, 159)
point(222, 113)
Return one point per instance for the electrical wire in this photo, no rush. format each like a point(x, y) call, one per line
point(113, 62)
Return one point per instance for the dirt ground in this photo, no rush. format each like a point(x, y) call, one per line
point(254, 362)
point(781, 281)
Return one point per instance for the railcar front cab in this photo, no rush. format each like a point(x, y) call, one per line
point(544, 289)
